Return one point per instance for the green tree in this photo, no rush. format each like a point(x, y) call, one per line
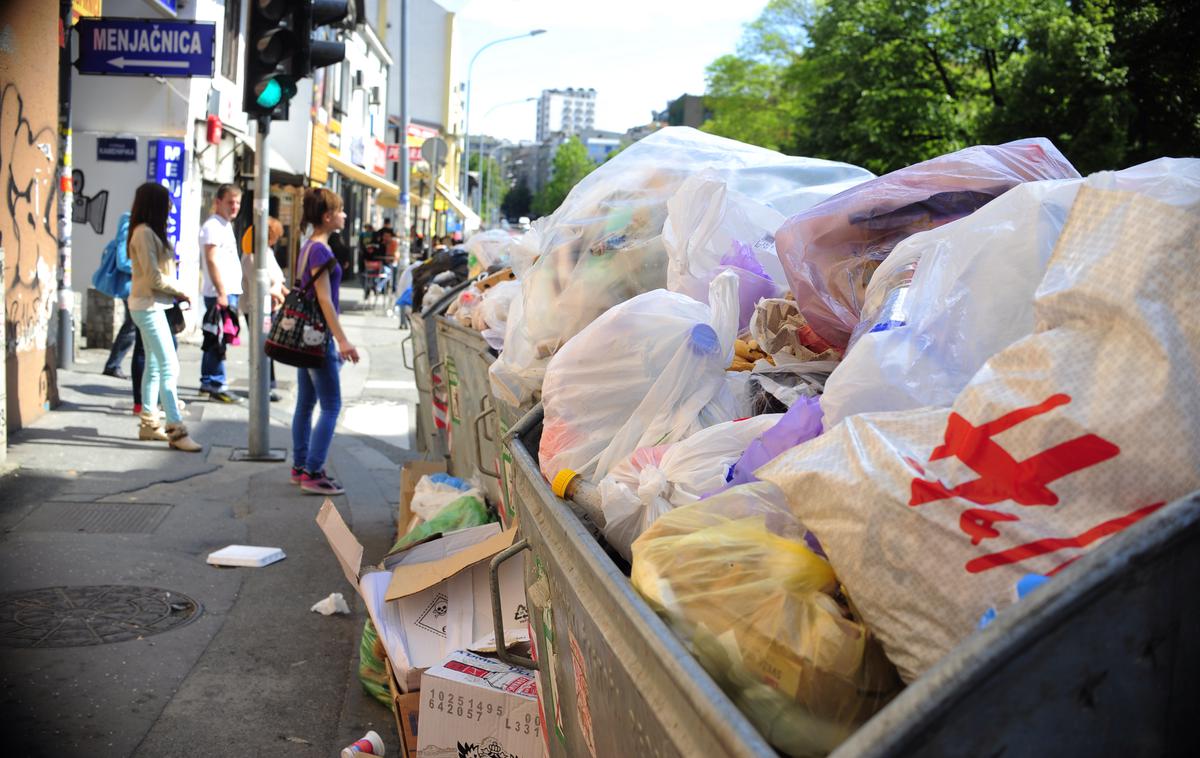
point(886, 83)
point(518, 202)
point(571, 164)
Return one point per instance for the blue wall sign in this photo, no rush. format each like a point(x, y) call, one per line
point(116, 149)
point(141, 47)
point(166, 162)
point(170, 6)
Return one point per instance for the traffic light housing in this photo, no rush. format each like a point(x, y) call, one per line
point(268, 82)
point(313, 53)
point(281, 50)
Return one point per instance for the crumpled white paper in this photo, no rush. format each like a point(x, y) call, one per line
point(335, 603)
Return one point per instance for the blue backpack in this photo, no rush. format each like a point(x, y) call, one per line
point(115, 273)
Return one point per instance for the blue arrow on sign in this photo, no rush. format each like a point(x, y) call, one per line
point(142, 47)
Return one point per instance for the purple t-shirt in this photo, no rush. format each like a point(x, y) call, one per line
point(319, 255)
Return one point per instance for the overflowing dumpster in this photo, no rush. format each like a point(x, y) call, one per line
point(805, 461)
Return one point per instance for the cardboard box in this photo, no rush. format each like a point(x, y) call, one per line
point(432, 598)
point(406, 708)
point(411, 473)
point(477, 706)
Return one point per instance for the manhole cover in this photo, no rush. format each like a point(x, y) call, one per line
point(96, 615)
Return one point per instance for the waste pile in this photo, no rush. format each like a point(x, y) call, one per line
point(834, 420)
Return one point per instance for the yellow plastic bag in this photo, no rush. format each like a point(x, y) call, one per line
point(758, 607)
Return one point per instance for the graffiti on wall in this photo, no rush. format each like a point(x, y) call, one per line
point(28, 193)
point(84, 209)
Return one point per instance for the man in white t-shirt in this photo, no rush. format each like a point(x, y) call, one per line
point(221, 267)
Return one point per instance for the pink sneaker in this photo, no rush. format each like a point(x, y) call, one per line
point(319, 484)
point(297, 475)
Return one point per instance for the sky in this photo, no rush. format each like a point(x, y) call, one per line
point(637, 54)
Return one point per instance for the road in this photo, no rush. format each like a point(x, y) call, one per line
point(254, 672)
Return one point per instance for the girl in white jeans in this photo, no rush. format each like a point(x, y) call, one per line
point(152, 292)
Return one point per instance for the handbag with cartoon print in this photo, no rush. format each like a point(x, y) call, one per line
point(299, 335)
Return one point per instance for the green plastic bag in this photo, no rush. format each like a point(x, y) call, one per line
point(371, 669)
point(463, 513)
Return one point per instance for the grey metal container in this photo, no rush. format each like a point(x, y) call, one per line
point(1100, 661)
point(473, 435)
point(423, 360)
point(614, 680)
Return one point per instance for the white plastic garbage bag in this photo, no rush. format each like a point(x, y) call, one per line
point(948, 299)
point(654, 480)
point(486, 249)
point(649, 372)
point(494, 311)
point(604, 244)
point(711, 228)
point(1062, 439)
point(435, 491)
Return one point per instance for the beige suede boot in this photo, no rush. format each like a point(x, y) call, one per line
point(177, 435)
point(151, 427)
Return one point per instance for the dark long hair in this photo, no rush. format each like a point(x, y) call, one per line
point(152, 207)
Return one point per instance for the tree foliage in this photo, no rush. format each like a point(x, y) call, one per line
point(518, 202)
point(571, 164)
point(886, 83)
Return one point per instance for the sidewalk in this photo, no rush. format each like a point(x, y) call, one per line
point(255, 672)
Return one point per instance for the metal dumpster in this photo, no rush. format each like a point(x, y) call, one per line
point(472, 433)
point(1101, 661)
point(422, 359)
point(614, 680)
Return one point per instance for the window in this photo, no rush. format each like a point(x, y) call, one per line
point(230, 39)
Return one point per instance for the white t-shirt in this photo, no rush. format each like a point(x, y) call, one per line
point(217, 231)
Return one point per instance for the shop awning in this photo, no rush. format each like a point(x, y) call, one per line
point(469, 217)
point(356, 174)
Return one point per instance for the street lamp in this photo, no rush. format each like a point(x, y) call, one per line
point(463, 183)
point(479, 150)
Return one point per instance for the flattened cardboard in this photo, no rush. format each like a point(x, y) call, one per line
point(413, 578)
point(435, 598)
point(349, 551)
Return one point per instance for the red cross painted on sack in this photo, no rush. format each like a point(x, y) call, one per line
point(1002, 477)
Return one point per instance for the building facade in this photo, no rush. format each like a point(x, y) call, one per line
point(565, 111)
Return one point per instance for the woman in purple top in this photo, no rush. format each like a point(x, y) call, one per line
point(318, 267)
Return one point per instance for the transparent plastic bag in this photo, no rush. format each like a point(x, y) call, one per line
point(948, 299)
point(1080, 429)
point(487, 249)
point(831, 250)
point(652, 481)
point(711, 228)
point(604, 244)
point(736, 579)
point(649, 372)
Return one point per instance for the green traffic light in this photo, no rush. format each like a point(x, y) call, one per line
point(270, 95)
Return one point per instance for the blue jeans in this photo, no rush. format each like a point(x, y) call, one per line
point(212, 366)
point(162, 363)
point(310, 445)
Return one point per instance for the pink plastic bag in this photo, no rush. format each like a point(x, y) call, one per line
point(830, 250)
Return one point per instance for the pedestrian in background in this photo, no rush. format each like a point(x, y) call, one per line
point(319, 269)
point(152, 292)
point(119, 270)
point(275, 289)
point(222, 273)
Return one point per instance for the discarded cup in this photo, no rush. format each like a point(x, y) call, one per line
point(370, 744)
